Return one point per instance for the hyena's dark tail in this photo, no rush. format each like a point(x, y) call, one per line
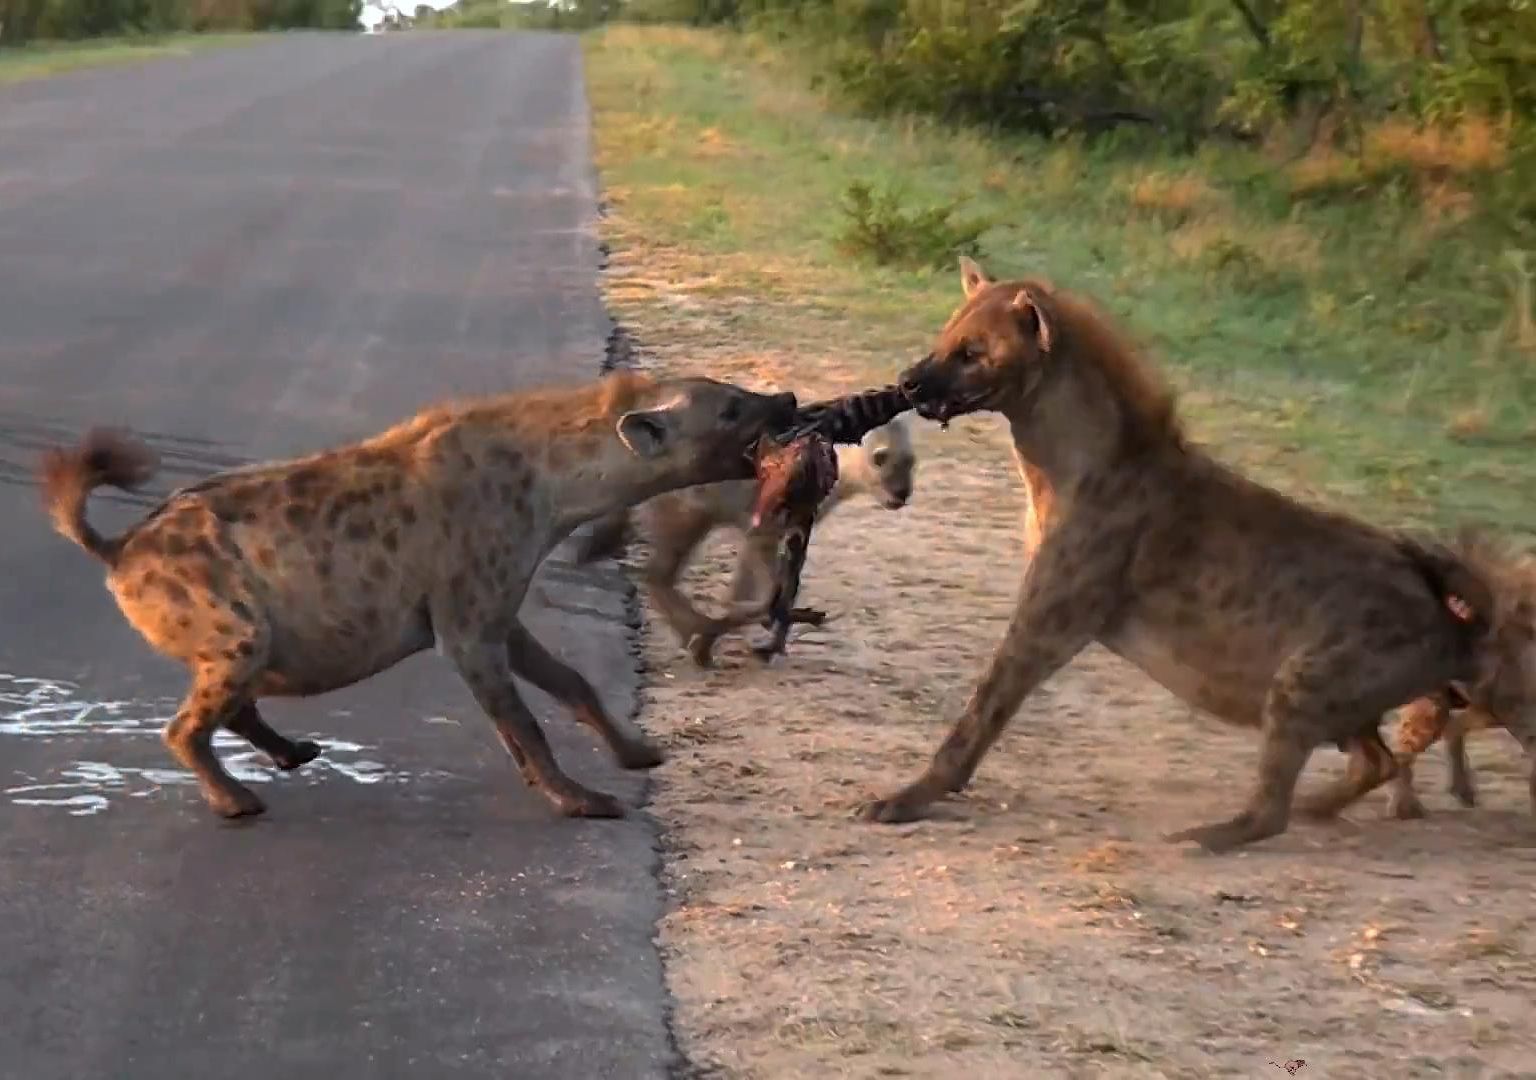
point(603, 539)
point(104, 457)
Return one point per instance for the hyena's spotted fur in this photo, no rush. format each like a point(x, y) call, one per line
point(303, 576)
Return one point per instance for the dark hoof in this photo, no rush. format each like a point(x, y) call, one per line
point(807, 616)
point(589, 804)
point(237, 803)
point(639, 755)
point(302, 753)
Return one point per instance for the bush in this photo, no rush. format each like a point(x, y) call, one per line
point(880, 229)
point(1185, 68)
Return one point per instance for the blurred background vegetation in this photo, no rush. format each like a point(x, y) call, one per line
point(1377, 94)
point(24, 22)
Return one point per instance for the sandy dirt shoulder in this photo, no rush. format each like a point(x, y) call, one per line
point(1037, 925)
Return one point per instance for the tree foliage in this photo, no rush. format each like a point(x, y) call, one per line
point(1188, 68)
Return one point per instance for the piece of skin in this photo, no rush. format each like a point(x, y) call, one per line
point(303, 576)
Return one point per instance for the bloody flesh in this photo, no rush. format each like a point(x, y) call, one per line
point(795, 473)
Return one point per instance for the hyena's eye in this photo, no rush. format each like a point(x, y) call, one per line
point(878, 457)
point(971, 353)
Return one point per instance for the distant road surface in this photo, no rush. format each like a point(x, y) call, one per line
point(255, 252)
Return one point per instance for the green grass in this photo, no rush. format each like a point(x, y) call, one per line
point(40, 59)
point(1336, 346)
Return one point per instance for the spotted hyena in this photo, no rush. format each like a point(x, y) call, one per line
point(299, 577)
point(1305, 625)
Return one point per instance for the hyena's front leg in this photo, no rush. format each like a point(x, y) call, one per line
point(568, 686)
point(1062, 607)
point(673, 541)
point(750, 595)
point(752, 581)
point(751, 587)
point(483, 666)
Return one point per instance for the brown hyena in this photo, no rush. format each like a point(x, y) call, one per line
point(1266, 612)
point(883, 466)
point(303, 576)
point(1499, 696)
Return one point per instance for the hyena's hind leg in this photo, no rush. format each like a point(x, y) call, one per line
point(218, 695)
point(1318, 696)
point(287, 754)
point(1370, 765)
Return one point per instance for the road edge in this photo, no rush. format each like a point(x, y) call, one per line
point(619, 353)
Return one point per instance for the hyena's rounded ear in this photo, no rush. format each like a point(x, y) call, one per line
point(972, 277)
point(644, 432)
point(1034, 318)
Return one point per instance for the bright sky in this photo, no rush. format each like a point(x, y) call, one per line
point(373, 14)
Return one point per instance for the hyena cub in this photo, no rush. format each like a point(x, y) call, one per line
point(882, 466)
point(298, 577)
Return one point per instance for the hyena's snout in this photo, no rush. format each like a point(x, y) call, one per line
point(923, 384)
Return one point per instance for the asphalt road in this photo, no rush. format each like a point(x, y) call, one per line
point(253, 253)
